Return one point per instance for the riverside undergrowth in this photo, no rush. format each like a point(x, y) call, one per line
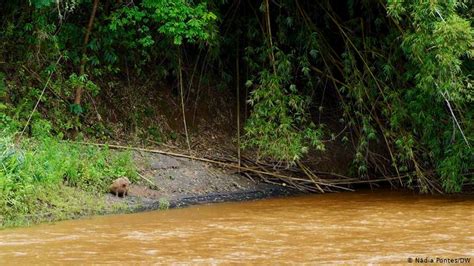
point(391, 81)
point(45, 179)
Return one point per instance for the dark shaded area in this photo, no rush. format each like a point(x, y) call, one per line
point(264, 191)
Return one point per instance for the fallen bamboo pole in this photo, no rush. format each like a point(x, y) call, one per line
point(310, 175)
point(194, 158)
point(322, 182)
point(148, 180)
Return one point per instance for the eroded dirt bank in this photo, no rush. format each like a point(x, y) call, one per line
point(169, 182)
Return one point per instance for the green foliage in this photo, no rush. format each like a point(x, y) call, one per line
point(279, 125)
point(164, 204)
point(181, 21)
point(437, 106)
point(402, 83)
point(275, 126)
point(42, 3)
point(44, 179)
point(135, 34)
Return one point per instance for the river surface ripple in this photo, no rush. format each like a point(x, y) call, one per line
point(360, 227)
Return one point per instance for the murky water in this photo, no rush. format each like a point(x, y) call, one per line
point(363, 227)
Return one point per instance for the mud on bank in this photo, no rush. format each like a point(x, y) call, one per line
point(169, 182)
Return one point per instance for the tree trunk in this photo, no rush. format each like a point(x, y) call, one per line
point(77, 99)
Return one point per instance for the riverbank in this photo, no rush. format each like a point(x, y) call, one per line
point(169, 182)
point(45, 180)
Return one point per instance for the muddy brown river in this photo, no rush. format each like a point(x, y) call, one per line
point(362, 227)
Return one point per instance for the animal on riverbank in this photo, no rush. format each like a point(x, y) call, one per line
point(120, 187)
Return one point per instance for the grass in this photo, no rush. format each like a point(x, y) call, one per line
point(43, 179)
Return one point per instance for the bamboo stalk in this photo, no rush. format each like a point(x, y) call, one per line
point(146, 179)
point(310, 175)
point(237, 88)
point(39, 98)
point(182, 101)
point(318, 182)
point(195, 158)
point(269, 31)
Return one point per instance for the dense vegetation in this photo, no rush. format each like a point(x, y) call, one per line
point(398, 76)
point(44, 179)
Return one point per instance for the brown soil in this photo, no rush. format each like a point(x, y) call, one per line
point(177, 177)
point(211, 119)
point(181, 182)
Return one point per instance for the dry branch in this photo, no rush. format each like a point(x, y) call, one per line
point(312, 183)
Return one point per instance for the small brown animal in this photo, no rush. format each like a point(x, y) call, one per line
point(120, 187)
